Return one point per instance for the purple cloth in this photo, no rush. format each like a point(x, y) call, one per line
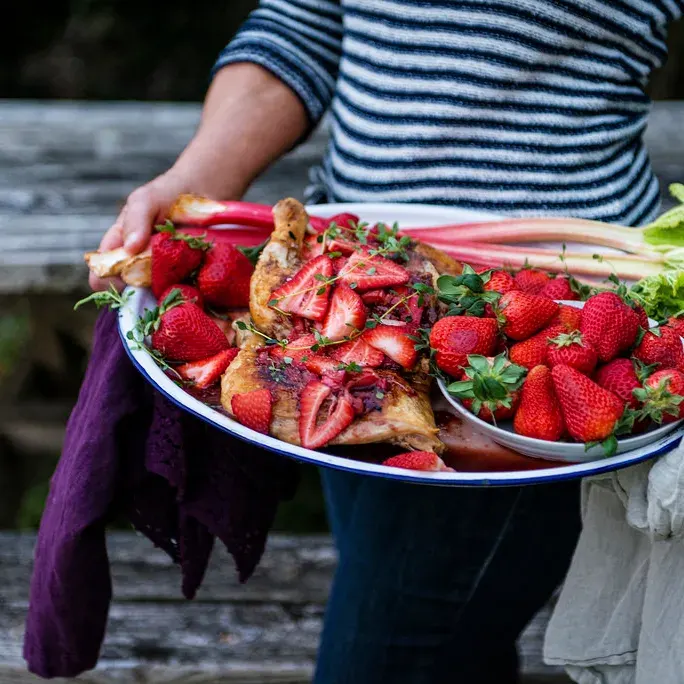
point(129, 452)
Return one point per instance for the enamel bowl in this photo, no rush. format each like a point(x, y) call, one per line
point(567, 452)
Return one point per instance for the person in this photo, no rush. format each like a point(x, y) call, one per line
point(521, 108)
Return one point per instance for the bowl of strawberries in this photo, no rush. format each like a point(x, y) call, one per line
point(565, 380)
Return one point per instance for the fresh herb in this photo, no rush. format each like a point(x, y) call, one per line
point(351, 367)
point(111, 298)
point(253, 253)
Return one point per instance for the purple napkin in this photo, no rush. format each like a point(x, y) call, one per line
point(128, 451)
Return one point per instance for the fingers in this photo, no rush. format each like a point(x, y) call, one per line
point(113, 238)
point(140, 215)
point(97, 284)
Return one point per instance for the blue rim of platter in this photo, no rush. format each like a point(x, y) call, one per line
point(374, 212)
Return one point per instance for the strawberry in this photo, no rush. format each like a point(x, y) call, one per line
point(533, 351)
point(558, 288)
point(454, 337)
point(608, 325)
point(501, 282)
point(346, 314)
point(224, 277)
point(426, 461)
point(375, 297)
point(322, 365)
point(641, 315)
point(206, 372)
point(531, 280)
point(174, 257)
point(539, 415)
point(364, 272)
point(496, 413)
point(677, 324)
point(619, 377)
point(490, 387)
point(661, 347)
point(306, 294)
point(312, 248)
point(182, 331)
point(296, 349)
point(569, 349)
point(344, 220)
point(407, 305)
point(662, 396)
point(591, 413)
point(340, 415)
point(568, 316)
point(253, 409)
point(226, 326)
point(393, 341)
point(524, 314)
point(188, 294)
point(315, 245)
point(359, 352)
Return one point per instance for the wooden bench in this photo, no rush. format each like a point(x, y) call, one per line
point(262, 632)
point(64, 170)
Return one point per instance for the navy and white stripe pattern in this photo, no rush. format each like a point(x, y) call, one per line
point(532, 107)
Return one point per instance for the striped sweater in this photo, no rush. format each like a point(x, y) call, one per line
point(532, 107)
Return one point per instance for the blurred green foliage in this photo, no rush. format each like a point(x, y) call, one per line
point(15, 330)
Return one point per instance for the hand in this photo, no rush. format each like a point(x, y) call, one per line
point(145, 207)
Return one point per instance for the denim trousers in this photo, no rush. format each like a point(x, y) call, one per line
point(435, 584)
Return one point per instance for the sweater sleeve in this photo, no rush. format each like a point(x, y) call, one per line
point(299, 41)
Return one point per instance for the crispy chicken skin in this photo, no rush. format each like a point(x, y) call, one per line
point(279, 260)
point(406, 417)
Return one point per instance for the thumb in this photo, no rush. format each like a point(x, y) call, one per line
point(141, 213)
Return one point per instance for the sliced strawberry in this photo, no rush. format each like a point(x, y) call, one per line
point(359, 352)
point(426, 461)
point(364, 272)
point(366, 378)
point(306, 293)
point(207, 371)
point(296, 349)
point(394, 342)
point(346, 314)
point(314, 246)
point(311, 248)
point(374, 297)
point(253, 409)
point(342, 413)
point(319, 364)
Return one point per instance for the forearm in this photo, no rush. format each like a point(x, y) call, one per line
point(250, 118)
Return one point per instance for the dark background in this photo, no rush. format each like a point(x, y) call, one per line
point(120, 49)
point(124, 50)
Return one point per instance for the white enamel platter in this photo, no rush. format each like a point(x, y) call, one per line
point(407, 216)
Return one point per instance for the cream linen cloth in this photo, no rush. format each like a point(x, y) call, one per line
point(620, 615)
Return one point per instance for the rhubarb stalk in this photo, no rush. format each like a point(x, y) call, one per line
point(664, 236)
point(192, 210)
point(499, 256)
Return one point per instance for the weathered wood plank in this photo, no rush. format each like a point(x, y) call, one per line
point(294, 570)
point(264, 631)
point(65, 169)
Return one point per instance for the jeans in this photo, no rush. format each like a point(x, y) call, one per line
point(434, 584)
